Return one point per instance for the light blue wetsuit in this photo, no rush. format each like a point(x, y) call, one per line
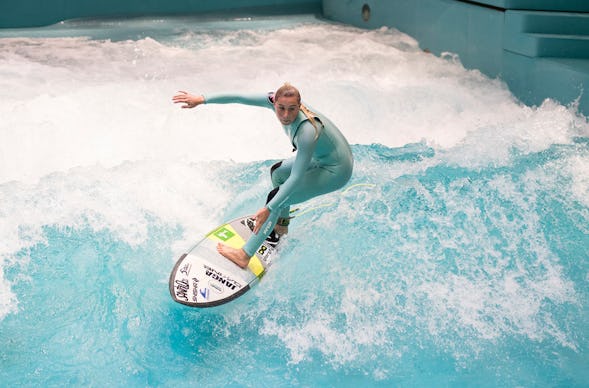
point(323, 163)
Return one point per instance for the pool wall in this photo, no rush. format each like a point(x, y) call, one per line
point(540, 48)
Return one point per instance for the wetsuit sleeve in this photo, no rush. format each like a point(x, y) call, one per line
point(305, 140)
point(254, 99)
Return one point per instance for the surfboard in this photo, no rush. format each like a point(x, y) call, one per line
point(203, 278)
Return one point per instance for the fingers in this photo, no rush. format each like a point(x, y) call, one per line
point(182, 94)
point(184, 98)
point(259, 223)
point(181, 98)
point(188, 104)
point(261, 217)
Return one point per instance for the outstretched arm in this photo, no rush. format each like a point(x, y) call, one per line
point(191, 101)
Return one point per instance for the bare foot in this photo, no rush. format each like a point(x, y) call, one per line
point(238, 256)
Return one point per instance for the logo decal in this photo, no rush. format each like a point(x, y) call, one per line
point(182, 287)
point(186, 269)
point(221, 278)
point(204, 292)
point(194, 289)
point(224, 234)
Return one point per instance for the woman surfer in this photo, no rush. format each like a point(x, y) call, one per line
point(323, 162)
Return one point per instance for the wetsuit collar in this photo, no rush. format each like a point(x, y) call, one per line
point(291, 129)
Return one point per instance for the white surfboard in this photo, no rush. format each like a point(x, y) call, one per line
point(204, 278)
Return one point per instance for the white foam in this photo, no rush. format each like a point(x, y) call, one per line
point(8, 301)
point(67, 102)
point(579, 172)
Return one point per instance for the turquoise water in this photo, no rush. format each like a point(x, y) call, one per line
point(456, 256)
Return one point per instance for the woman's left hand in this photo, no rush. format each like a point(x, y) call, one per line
point(261, 216)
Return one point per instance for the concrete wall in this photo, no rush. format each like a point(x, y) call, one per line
point(474, 32)
point(539, 50)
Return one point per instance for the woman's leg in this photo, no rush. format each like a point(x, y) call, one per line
point(279, 173)
point(316, 181)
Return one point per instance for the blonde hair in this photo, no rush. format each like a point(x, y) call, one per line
point(287, 90)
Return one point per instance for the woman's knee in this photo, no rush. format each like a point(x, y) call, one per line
point(279, 173)
point(274, 167)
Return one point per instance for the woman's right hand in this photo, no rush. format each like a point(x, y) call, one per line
point(189, 100)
